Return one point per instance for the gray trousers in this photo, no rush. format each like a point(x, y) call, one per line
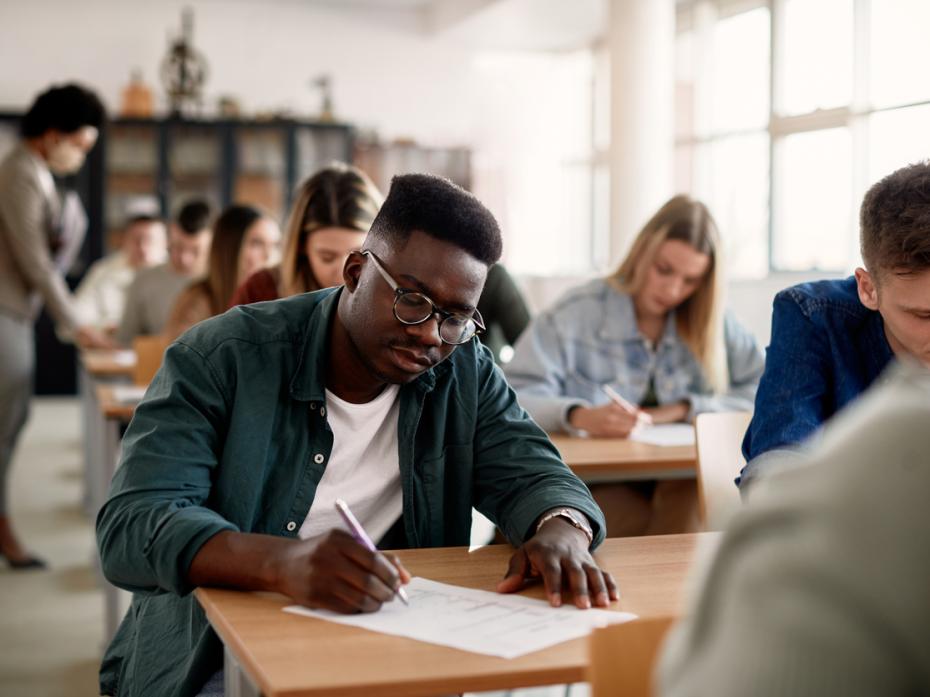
point(17, 364)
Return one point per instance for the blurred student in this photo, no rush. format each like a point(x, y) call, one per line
point(244, 241)
point(40, 234)
point(819, 587)
point(504, 311)
point(654, 332)
point(832, 339)
point(329, 220)
point(152, 294)
point(101, 296)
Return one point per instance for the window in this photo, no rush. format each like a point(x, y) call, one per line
point(788, 110)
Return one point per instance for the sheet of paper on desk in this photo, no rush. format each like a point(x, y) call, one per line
point(128, 394)
point(125, 357)
point(665, 434)
point(478, 621)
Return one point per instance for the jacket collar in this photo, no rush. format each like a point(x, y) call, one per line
point(308, 383)
point(620, 320)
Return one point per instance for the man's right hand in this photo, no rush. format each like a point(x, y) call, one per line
point(333, 573)
point(92, 338)
point(608, 421)
point(337, 573)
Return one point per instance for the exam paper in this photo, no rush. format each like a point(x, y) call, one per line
point(473, 620)
point(128, 394)
point(664, 434)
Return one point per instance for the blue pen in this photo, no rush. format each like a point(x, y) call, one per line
point(358, 532)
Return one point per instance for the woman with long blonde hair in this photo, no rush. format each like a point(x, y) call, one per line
point(653, 333)
point(329, 220)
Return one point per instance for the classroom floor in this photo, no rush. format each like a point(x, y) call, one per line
point(51, 625)
point(51, 622)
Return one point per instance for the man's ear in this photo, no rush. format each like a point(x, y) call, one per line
point(352, 270)
point(868, 293)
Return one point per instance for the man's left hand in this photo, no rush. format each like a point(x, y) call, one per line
point(558, 553)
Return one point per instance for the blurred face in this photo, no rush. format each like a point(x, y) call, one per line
point(188, 253)
point(904, 303)
point(393, 352)
point(259, 247)
point(145, 244)
point(65, 152)
point(327, 249)
point(675, 274)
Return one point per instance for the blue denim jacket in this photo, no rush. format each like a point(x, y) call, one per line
point(826, 349)
point(590, 339)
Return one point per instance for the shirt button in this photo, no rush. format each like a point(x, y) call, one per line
point(291, 526)
point(322, 411)
point(318, 458)
point(312, 406)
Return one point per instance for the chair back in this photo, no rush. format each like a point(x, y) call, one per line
point(621, 657)
point(149, 352)
point(719, 459)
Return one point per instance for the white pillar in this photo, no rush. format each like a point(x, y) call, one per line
point(641, 42)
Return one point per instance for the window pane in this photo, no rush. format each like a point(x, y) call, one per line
point(732, 179)
point(813, 201)
point(897, 138)
point(817, 50)
point(740, 71)
point(899, 52)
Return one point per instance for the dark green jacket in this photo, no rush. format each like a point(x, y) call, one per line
point(231, 436)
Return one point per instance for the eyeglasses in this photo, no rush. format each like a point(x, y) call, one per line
point(412, 307)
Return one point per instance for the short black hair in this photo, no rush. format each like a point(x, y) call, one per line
point(440, 209)
point(65, 108)
point(194, 216)
point(894, 222)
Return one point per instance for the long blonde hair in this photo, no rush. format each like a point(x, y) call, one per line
point(338, 195)
point(699, 319)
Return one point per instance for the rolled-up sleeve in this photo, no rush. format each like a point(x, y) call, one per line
point(155, 519)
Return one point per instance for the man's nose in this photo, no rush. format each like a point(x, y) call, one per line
point(426, 332)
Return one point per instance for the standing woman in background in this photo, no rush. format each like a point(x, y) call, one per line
point(40, 235)
point(655, 332)
point(329, 220)
point(244, 241)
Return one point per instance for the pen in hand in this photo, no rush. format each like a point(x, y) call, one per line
point(358, 532)
point(618, 399)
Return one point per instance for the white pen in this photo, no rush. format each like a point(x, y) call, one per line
point(617, 398)
point(358, 532)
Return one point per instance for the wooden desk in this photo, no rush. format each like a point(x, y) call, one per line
point(278, 654)
point(618, 459)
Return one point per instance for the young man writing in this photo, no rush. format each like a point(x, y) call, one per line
point(832, 339)
point(374, 393)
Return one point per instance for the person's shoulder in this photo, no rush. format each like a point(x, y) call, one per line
point(269, 322)
point(578, 302)
point(18, 170)
point(833, 296)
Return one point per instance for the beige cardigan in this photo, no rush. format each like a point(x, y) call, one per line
point(29, 208)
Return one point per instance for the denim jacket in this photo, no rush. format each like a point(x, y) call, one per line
point(232, 435)
point(826, 349)
point(590, 339)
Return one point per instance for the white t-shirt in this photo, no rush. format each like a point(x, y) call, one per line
point(363, 468)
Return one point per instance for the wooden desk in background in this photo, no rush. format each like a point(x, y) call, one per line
point(279, 654)
point(619, 459)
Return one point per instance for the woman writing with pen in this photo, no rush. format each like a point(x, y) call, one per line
point(649, 343)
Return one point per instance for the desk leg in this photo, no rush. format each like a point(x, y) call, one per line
point(235, 682)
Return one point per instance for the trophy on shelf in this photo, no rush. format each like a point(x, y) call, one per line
point(184, 70)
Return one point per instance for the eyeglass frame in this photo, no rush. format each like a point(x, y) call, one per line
point(399, 292)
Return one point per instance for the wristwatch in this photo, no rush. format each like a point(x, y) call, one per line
point(576, 518)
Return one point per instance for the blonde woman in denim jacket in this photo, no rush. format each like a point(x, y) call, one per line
point(655, 331)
